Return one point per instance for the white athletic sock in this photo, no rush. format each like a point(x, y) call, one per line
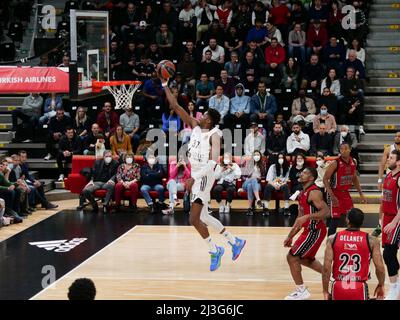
point(286, 204)
point(301, 288)
point(229, 237)
point(175, 197)
point(211, 245)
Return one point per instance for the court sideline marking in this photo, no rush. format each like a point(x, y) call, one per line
point(81, 264)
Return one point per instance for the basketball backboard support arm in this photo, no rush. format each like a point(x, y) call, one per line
point(89, 36)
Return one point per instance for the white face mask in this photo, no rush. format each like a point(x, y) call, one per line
point(129, 160)
point(280, 161)
point(152, 161)
point(10, 166)
point(343, 134)
point(300, 163)
point(227, 161)
point(320, 163)
point(108, 160)
point(256, 158)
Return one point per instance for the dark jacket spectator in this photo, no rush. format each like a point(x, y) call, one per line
point(321, 142)
point(276, 142)
point(69, 145)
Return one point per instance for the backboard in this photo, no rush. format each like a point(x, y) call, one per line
point(90, 47)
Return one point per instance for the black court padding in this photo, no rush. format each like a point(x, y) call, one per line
point(21, 264)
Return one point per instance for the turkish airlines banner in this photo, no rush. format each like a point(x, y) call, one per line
point(34, 79)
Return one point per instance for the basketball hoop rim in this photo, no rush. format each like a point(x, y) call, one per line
point(114, 83)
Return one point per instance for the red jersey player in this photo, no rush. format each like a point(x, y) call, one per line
point(390, 210)
point(347, 258)
point(312, 211)
point(338, 179)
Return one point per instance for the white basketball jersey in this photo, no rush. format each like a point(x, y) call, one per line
point(199, 147)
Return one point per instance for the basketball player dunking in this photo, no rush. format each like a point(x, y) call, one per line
point(312, 211)
point(390, 211)
point(347, 258)
point(203, 153)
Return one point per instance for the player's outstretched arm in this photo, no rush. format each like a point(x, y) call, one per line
point(173, 103)
point(382, 164)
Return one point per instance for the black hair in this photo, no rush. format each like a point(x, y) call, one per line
point(328, 78)
point(82, 289)
point(355, 217)
point(68, 128)
point(281, 169)
point(397, 154)
point(313, 171)
point(214, 115)
point(345, 143)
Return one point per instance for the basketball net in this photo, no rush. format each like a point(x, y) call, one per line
point(122, 91)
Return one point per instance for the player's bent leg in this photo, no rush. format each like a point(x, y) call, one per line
point(236, 243)
point(301, 292)
point(312, 264)
point(195, 221)
point(392, 265)
point(215, 251)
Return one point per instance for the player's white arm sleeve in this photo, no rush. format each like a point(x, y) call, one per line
point(208, 167)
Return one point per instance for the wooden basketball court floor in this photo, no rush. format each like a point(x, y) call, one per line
point(171, 262)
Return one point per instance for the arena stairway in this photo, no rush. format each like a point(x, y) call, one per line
point(382, 94)
point(46, 170)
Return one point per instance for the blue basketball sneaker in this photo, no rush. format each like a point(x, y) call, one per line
point(216, 258)
point(237, 248)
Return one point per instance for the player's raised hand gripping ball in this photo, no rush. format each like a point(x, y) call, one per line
point(165, 70)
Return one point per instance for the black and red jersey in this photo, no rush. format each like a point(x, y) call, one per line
point(391, 194)
point(342, 179)
point(306, 207)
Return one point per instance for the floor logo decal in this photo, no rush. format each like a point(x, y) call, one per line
point(59, 245)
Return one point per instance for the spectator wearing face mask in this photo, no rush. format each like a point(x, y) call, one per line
point(226, 175)
point(345, 136)
point(128, 176)
point(179, 172)
point(277, 179)
point(103, 177)
point(325, 118)
point(253, 170)
point(151, 175)
point(294, 174)
point(330, 101)
point(321, 168)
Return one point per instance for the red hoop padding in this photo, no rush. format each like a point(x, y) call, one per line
point(97, 86)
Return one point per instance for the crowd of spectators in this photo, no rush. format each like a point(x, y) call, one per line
point(285, 69)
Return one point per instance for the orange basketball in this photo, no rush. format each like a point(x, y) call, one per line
point(166, 69)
